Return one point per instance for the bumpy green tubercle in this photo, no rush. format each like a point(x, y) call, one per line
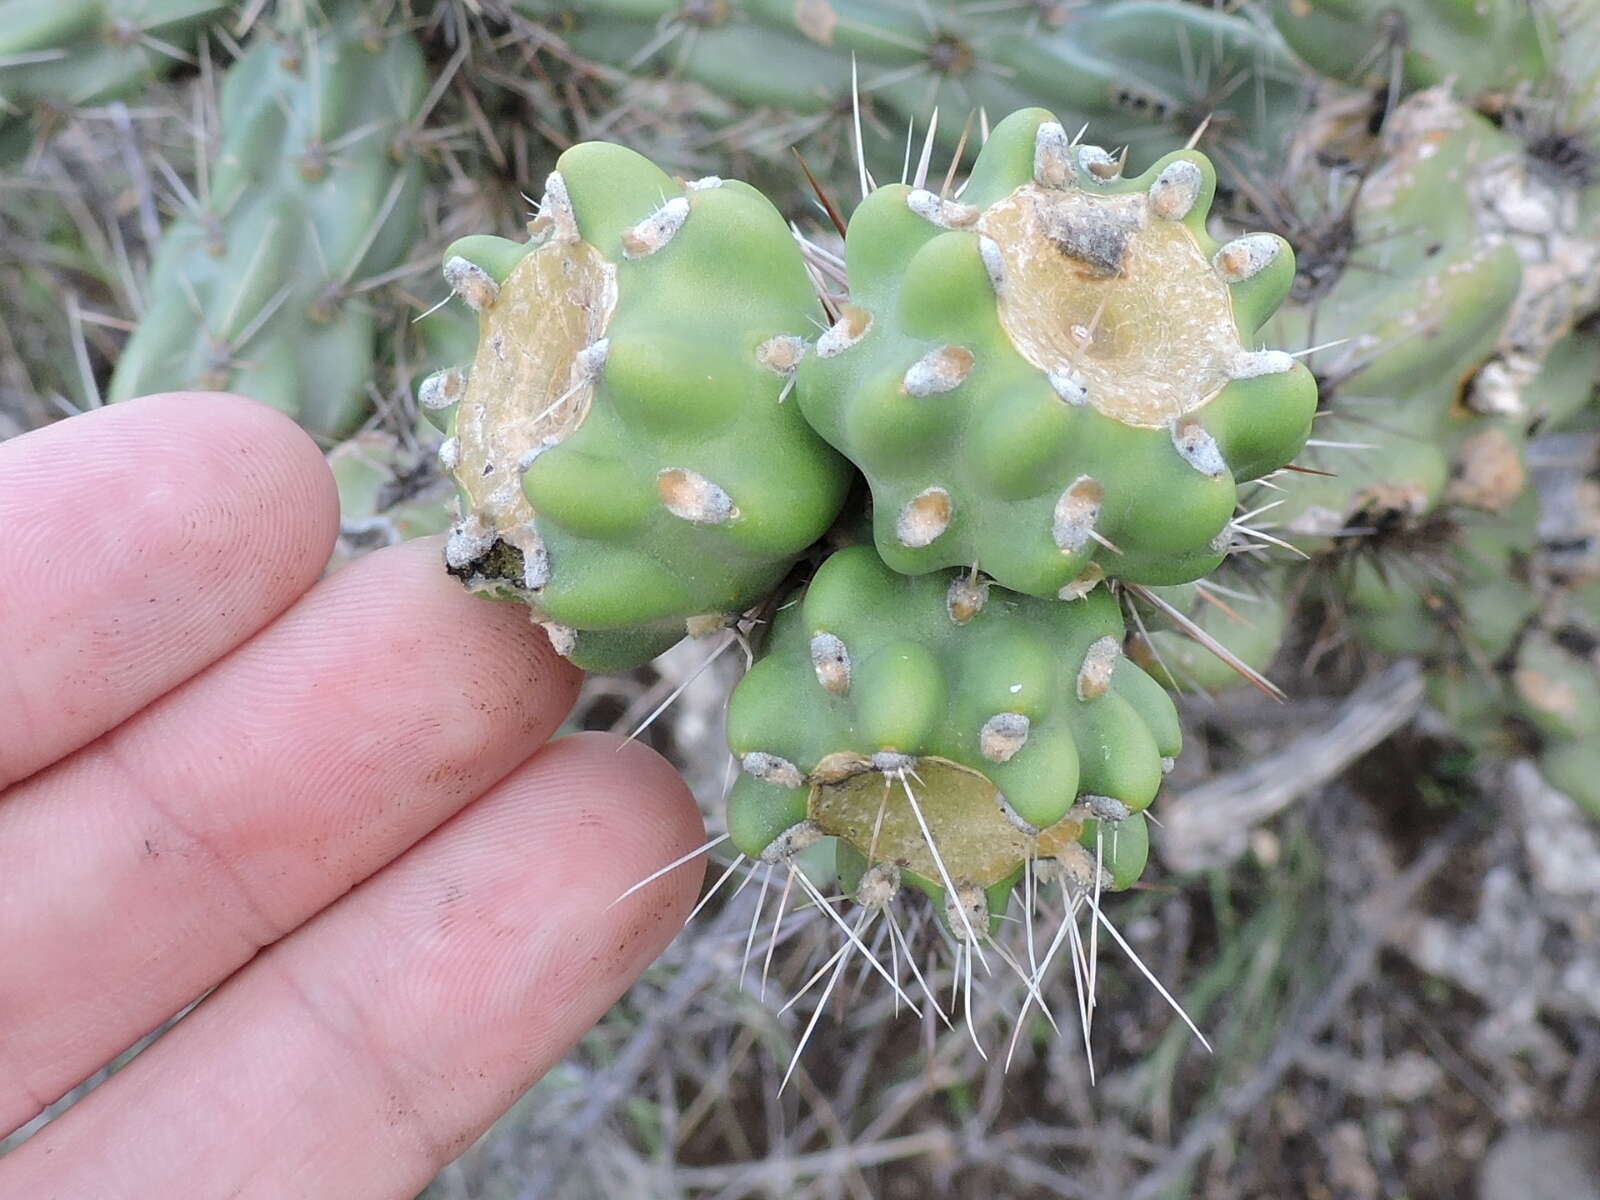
point(1015, 723)
point(630, 461)
point(1056, 376)
point(1141, 73)
point(60, 55)
point(309, 196)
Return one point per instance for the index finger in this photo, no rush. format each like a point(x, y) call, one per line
point(138, 543)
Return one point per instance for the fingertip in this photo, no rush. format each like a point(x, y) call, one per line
point(163, 531)
point(237, 425)
point(649, 819)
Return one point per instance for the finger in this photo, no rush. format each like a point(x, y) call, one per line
point(364, 1052)
point(153, 863)
point(142, 541)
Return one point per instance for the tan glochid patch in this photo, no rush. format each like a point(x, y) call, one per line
point(966, 597)
point(831, 661)
point(1076, 512)
point(1088, 579)
point(1099, 163)
point(442, 388)
point(1175, 190)
point(923, 518)
point(692, 497)
point(472, 283)
point(556, 214)
point(1246, 257)
point(781, 353)
point(1198, 448)
point(1052, 157)
point(947, 214)
point(770, 768)
point(791, 841)
point(656, 230)
point(1003, 735)
point(563, 638)
point(942, 369)
point(1099, 663)
point(850, 328)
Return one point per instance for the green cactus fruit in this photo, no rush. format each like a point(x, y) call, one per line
point(902, 714)
point(60, 56)
point(1055, 376)
point(256, 289)
point(1142, 73)
point(1245, 608)
point(1484, 47)
point(1417, 310)
point(628, 459)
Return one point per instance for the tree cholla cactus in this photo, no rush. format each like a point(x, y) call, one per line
point(59, 56)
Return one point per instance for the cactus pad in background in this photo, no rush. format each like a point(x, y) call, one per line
point(1142, 73)
point(629, 461)
point(1485, 47)
point(1416, 309)
point(1056, 377)
point(254, 289)
point(946, 732)
point(59, 55)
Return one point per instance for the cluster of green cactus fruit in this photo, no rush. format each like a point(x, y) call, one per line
point(1064, 395)
point(1048, 384)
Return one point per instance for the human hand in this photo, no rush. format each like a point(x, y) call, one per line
point(328, 800)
